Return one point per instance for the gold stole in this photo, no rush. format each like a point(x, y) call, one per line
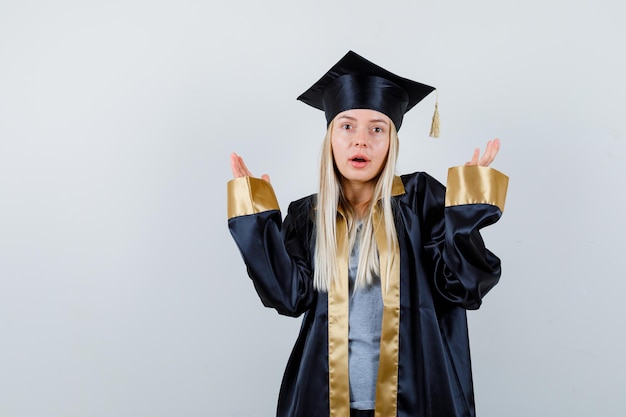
point(338, 315)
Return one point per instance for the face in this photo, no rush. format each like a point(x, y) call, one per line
point(360, 143)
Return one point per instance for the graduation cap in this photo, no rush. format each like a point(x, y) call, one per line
point(356, 83)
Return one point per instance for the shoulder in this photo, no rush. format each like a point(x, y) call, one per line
point(420, 182)
point(302, 210)
point(423, 195)
point(303, 203)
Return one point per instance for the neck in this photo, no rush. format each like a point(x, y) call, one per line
point(359, 195)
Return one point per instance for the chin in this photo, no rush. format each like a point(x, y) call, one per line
point(361, 178)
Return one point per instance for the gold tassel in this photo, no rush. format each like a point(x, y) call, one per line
point(434, 127)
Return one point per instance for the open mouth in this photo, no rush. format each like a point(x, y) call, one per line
point(359, 161)
point(359, 158)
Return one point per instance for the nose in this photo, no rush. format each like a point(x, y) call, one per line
point(360, 139)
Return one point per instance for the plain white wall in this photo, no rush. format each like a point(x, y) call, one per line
point(121, 291)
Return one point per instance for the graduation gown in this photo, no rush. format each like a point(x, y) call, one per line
point(442, 268)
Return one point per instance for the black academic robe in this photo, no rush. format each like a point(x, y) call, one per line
point(445, 269)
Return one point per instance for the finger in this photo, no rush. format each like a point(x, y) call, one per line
point(235, 165)
point(239, 167)
point(486, 158)
point(244, 168)
point(474, 160)
point(490, 153)
point(496, 148)
point(475, 157)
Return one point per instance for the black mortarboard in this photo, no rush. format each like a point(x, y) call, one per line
point(356, 83)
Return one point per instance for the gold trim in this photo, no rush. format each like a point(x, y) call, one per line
point(398, 186)
point(476, 185)
point(248, 195)
point(387, 383)
point(338, 325)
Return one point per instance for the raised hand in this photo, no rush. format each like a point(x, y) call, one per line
point(240, 169)
point(493, 146)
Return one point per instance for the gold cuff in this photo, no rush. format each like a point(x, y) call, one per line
point(476, 185)
point(248, 195)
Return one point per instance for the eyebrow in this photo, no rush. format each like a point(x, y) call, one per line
point(369, 121)
point(379, 121)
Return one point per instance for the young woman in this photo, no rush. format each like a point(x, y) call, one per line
point(382, 267)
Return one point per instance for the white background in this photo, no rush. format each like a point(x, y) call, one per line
point(121, 291)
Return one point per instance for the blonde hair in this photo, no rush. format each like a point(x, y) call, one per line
point(330, 197)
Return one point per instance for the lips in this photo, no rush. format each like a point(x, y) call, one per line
point(359, 161)
point(359, 158)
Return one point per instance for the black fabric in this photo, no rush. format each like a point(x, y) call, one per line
point(361, 413)
point(444, 270)
point(356, 83)
point(353, 91)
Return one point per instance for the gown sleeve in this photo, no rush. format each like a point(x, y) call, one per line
point(464, 270)
point(272, 250)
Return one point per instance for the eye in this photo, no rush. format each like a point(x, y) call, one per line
point(346, 126)
point(377, 129)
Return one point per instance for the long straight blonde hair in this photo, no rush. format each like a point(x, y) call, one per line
point(330, 197)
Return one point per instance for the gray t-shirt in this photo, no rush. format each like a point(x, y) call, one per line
point(366, 310)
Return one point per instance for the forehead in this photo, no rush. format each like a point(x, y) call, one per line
point(364, 116)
